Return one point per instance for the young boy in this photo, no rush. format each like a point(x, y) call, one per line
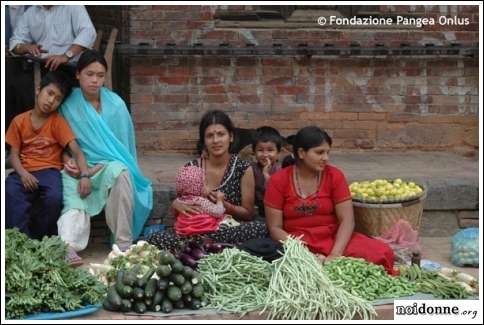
point(37, 139)
point(266, 146)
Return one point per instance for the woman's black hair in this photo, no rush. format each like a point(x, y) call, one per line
point(210, 118)
point(58, 78)
point(88, 57)
point(307, 138)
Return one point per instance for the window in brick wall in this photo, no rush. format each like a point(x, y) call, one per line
point(294, 16)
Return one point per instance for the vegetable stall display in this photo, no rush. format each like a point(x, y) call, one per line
point(38, 279)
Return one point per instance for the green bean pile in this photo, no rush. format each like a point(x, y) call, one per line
point(366, 280)
point(300, 290)
point(433, 283)
point(234, 280)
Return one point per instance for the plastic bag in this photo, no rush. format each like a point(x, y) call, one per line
point(74, 227)
point(403, 240)
point(465, 247)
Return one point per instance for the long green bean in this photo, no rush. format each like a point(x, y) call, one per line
point(300, 290)
point(235, 281)
point(433, 283)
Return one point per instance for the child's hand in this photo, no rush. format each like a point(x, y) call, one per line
point(72, 169)
point(205, 191)
point(267, 168)
point(84, 187)
point(216, 196)
point(30, 182)
point(92, 171)
point(220, 196)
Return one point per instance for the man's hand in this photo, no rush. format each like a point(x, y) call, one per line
point(30, 182)
point(54, 61)
point(84, 187)
point(72, 169)
point(32, 49)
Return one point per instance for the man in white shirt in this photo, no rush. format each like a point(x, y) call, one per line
point(57, 33)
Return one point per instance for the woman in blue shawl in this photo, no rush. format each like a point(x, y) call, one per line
point(104, 131)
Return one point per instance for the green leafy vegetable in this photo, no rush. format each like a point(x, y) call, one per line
point(38, 279)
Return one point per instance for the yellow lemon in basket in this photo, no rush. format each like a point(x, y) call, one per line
point(398, 181)
point(412, 184)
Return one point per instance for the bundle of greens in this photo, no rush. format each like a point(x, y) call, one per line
point(38, 279)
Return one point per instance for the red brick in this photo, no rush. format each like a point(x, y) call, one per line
point(215, 98)
point(245, 73)
point(142, 80)
point(276, 62)
point(249, 99)
point(444, 100)
point(178, 80)
point(214, 89)
point(290, 90)
point(171, 98)
point(269, 80)
point(210, 80)
point(368, 125)
point(372, 116)
point(141, 98)
point(146, 70)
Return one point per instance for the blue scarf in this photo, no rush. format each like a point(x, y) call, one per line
point(109, 136)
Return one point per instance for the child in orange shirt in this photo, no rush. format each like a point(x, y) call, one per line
point(37, 139)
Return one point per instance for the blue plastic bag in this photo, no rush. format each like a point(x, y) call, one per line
point(465, 247)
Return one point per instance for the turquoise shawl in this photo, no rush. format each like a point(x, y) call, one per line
point(106, 137)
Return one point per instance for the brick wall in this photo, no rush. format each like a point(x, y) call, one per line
point(387, 103)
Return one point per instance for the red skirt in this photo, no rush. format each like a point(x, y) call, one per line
point(319, 233)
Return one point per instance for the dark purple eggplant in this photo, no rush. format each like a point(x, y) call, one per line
point(188, 260)
point(187, 250)
point(197, 253)
point(216, 248)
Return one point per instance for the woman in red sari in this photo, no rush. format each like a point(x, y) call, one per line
point(311, 199)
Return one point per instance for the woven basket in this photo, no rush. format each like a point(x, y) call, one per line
point(375, 219)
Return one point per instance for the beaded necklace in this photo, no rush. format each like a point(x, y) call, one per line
point(307, 209)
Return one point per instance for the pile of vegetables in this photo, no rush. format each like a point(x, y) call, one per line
point(38, 279)
point(193, 252)
point(434, 283)
point(467, 281)
point(235, 281)
point(173, 286)
point(299, 289)
point(367, 280)
point(144, 255)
